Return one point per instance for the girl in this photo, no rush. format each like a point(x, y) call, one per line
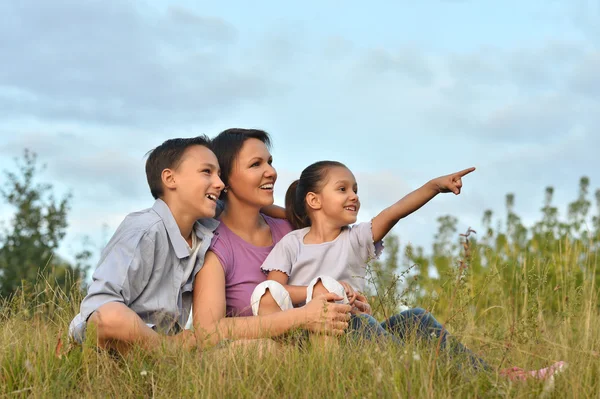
point(324, 248)
point(325, 254)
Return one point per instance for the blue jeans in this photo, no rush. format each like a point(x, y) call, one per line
point(416, 321)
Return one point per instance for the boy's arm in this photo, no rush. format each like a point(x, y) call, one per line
point(116, 324)
point(274, 211)
point(121, 276)
point(383, 223)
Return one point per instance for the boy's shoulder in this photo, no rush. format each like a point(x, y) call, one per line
point(139, 226)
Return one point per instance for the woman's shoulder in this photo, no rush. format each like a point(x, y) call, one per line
point(279, 227)
point(221, 239)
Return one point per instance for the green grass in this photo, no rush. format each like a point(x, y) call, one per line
point(531, 329)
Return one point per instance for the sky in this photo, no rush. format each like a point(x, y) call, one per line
point(400, 91)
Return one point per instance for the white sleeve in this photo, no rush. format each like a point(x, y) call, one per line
point(361, 240)
point(281, 257)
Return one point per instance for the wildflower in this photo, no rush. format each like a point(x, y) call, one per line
point(143, 373)
point(28, 366)
point(416, 357)
point(378, 374)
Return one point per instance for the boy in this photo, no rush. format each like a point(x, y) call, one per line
point(143, 283)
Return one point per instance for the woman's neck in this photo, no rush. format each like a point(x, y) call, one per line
point(242, 217)
point(322, 232)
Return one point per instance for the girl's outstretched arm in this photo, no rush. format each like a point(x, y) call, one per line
point(384, 222)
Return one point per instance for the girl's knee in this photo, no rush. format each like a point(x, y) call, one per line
point(267, 304)
point(270, 297)
point(323, 285)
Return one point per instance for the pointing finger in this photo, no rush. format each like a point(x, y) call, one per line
point(465, 172)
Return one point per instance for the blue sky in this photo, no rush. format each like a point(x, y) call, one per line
point(399, 91)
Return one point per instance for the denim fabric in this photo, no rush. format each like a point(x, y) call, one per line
point(416, 321)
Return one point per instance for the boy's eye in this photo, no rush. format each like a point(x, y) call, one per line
point(342, 188)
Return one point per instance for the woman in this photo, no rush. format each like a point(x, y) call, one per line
point(231, 268)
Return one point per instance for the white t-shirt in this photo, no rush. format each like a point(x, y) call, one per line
point(343, 259)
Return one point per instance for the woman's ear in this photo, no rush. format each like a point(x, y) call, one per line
point(313, 200)
point(168, 178)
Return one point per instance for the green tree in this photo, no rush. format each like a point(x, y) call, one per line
point(29, 241)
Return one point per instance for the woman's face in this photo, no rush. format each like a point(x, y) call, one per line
point(252, 176)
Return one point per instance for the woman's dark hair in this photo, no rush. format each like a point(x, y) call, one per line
point(168, 155)
point(312, 179)
point(228, 144)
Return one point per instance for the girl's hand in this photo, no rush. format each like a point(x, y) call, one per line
point(451, 183)
point(350, 294)
point(361, 305)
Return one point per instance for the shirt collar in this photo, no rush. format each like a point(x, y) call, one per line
point(203, 228)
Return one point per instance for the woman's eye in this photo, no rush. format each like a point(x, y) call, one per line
point(206, 171)
point(255, 164)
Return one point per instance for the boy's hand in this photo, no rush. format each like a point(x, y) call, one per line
point(451, 183)
point(350, 294)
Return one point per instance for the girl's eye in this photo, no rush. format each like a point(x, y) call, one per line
point(342, 188)
point(270, 162)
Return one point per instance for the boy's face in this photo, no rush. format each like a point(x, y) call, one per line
point(197, 180)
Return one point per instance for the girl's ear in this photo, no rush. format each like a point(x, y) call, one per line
point(168, 178)
point(313, 201)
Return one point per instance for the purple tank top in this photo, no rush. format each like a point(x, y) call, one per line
point(241, 263)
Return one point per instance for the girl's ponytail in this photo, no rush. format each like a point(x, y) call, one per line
point(295, 211)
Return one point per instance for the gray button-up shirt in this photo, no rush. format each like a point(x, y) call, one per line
point(143, 266)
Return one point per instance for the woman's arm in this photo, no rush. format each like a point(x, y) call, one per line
point(383, 223)
point(211, 325)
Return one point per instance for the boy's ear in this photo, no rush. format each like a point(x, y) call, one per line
point(313, 201)
point(168, 178)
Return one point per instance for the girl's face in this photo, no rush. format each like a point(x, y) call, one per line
point(339, 197)
point(252, 176)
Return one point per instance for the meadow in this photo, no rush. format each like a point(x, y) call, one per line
point(529, 315)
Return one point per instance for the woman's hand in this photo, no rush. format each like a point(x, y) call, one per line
point(350, 294)
point(451, 183)
point(325, 316)
point(361, 305)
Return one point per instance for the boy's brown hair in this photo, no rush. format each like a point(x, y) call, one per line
point(168, 155)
